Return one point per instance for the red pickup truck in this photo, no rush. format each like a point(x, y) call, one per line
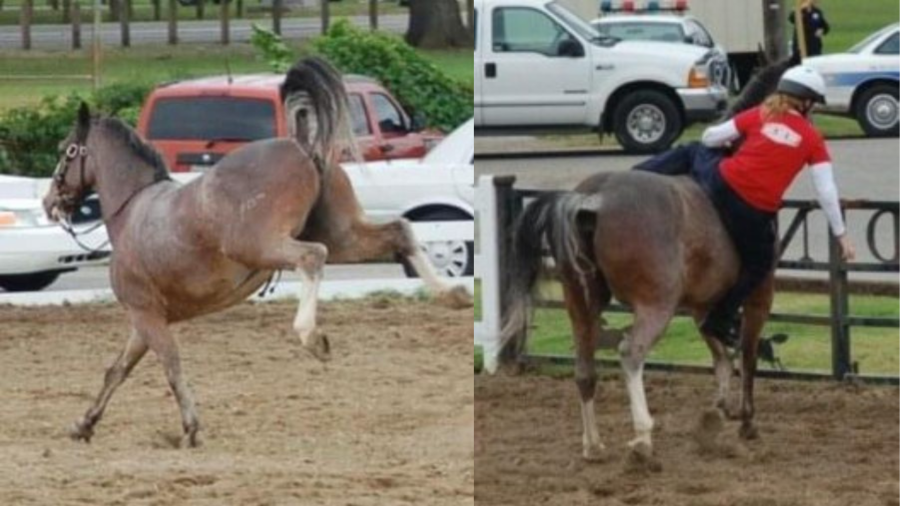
point(195, 123)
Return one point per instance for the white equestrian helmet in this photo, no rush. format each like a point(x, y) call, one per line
point(803, 82)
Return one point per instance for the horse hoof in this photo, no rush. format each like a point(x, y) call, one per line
point(457, 297)
point(641, 458)
point(594, 453)
point(319, 347)
point(749, 432)
point(189, 441)
point(79, 432)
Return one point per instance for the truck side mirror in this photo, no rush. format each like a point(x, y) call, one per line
point(570, 48)
point(417, 122)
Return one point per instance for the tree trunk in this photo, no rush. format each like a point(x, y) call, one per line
point(436, 24)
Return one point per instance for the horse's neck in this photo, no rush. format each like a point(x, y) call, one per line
point(119, 177)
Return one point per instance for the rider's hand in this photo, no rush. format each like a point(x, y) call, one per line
point(848, 252)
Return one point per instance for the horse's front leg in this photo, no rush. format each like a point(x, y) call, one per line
point(155, 329)
point(724, 369)
point(756, 311)
point(134, 350)
point(368, 241)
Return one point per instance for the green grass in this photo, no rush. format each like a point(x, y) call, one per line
point(151, 63)
point(809, 347)
point(852, 21)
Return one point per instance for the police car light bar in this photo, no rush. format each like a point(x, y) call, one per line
point(649, 6)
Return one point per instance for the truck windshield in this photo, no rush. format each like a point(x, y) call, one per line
point(577, 24)
point(212, 118)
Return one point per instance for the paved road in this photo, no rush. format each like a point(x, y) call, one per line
point(865, 169)
point(60, 36)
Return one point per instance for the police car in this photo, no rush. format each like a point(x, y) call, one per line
point(863, 82)
point(661, 22)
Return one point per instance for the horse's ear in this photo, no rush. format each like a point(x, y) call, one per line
point(84, 122)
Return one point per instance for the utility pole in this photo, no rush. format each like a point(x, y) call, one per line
point(774, 20)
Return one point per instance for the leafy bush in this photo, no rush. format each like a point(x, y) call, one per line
point(31, 134)
point(419, 85)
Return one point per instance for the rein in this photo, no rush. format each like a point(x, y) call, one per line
point(80, 150)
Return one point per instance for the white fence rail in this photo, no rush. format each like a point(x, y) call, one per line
point(487, 268)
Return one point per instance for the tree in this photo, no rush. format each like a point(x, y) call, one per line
point(436, 24)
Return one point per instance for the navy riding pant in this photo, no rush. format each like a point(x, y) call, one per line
point(752, 230)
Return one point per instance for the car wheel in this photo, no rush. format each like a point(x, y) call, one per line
point(28, 282)
point(450, 259)
point(646, 121)
point(876, 111)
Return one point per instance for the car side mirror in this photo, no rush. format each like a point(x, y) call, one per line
point(418, 122)
point(389, 126)
point(570, 48)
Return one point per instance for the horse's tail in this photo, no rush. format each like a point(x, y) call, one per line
point(318, 110)
point(551, 224)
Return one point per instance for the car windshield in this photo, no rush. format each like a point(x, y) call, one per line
point(859, 48)
point(212, 119)
point(577, 24)
point(635, 30)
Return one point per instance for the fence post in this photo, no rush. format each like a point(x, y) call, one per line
point(201, 9)
point(326, 15)
point(223, 17)
point(373, 14)
point(25, 14)
point(840, 310)
point(173, 22)
point(276, 16)
point(239, 8)
point(506, 215)
point(124, 22)
point(76, 24)
point(157, 10)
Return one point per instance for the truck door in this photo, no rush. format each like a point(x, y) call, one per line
point(534, 71)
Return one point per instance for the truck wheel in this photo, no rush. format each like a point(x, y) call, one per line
point(646, 121)
point(450, 259)
point(28, 282)
point(876, 111)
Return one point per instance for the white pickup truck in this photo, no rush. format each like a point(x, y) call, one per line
point(538, 66)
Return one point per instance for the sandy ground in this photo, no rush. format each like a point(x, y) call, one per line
point(821, 445)
point(388, 421)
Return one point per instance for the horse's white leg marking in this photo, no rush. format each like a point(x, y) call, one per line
point(640, 413)
point(426, 271)
point(593, 447)
point(305, 321)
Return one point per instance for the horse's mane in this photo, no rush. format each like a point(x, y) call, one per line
point(761, 86)
point(138, 146)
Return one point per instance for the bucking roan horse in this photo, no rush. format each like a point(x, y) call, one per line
point(181, 251)
point(656, 244)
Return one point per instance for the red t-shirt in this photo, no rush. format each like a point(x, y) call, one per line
point(771, 156)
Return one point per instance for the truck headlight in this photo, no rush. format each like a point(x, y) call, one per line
point(698, 77)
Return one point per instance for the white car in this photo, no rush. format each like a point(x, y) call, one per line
point(33, 251)
point(440, 187)
point(667, 28)
point(863, 82)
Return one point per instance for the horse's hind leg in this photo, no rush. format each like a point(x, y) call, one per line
point(649, 324)
point(308, 259)
point(756, 312)
point(161, 341)
point(584, 304)
point(367, 241)
point(134, 350)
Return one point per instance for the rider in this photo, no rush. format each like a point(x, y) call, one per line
point(777, 141)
